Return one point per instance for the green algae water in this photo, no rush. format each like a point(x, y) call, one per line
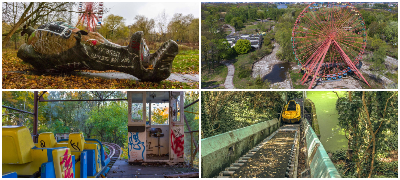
point(332, 136)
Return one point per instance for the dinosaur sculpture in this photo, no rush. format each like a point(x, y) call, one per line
point(62, 47)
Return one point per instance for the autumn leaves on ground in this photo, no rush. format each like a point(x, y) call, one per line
point(20, 75)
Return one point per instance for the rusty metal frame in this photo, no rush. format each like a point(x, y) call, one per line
point(194, 148)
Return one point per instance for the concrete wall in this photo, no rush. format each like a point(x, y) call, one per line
point(318, 160)
point(314, 118)
point(220, 151)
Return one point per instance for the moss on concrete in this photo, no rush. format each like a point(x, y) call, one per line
point(218, 152)
point(310, 107)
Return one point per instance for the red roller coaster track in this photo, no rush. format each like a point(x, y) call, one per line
point(329, 40)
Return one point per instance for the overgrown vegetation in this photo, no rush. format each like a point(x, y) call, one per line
point(223, 111)
point(370, 121)
point(216, 49)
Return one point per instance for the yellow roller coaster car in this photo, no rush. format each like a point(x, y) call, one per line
point(291, 112)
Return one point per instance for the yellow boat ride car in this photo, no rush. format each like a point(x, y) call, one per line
point(291, 112)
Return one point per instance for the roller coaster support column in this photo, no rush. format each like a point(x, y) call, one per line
point(35, 116)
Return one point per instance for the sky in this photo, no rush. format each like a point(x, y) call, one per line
point(129, 10)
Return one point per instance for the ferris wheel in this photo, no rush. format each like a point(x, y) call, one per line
point(329, 40)
point(91, 14)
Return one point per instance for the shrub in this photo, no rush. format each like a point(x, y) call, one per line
point(253, 56)
point(242, 46)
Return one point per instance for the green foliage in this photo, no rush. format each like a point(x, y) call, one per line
point(267, 41)
point(253, 56)
point(242, 46)
point(114, 27)
point(183, 28)
point(294, 95)
point(109, 123)
point(391, 32)
point(228, 18)
point(380, 6)
point(376, 28)
point(339, 155)
point(378, 59)
point(192, 119)
point(370, 121)
point(244, 73)
point(94, 119)
point(374, 43)
point(236, 22)
point(223, 111)
point(283, 37)
point(187, 61)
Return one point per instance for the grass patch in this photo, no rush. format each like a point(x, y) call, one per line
point(186, 62)
point(250, 27)
point(391, 76)
point(214, 77)
point(296, 78)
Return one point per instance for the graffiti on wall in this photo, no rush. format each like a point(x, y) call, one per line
point(136, 146)
point(177, 141)
point(66, 165)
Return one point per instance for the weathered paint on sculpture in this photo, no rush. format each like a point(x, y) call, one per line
point(59, 46)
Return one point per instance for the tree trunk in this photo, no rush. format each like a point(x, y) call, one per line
point(18, 24)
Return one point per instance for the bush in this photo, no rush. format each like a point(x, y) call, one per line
point(379, 58)
point(266, 50)
point(242, 46)
point(253, 56)
point(259, 81)
point(260, 53)
point(267, 41)
point(339, 155)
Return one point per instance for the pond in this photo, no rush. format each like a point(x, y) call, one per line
point(332, 136)
point(278, 73)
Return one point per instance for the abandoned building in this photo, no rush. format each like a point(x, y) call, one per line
point(255, 40)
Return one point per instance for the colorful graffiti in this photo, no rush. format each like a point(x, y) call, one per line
point(66, 165)
point(177, 142)
point(135, 143)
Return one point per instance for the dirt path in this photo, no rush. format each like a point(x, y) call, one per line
point(232, 28)
point(229, 78)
